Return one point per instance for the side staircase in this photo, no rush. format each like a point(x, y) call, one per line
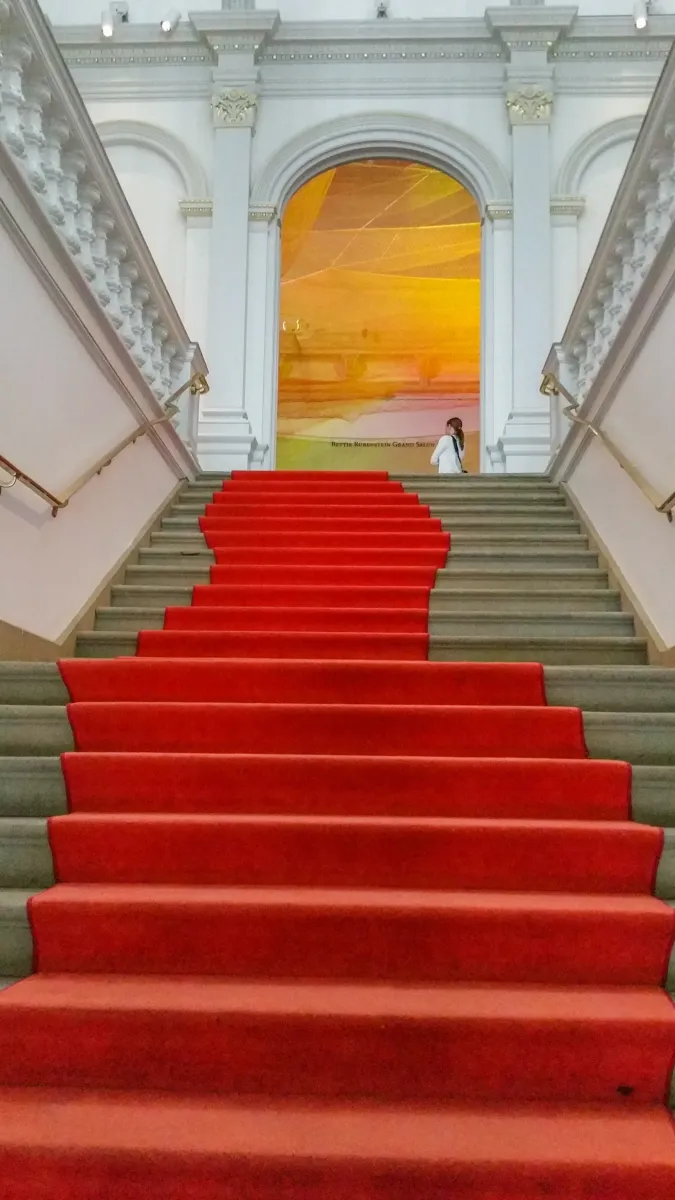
point(522, 584)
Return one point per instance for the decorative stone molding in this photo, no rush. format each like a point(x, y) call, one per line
point(197, 209)
point(531, 27)
point(530, 106)
point(499, 210)
point(265, 213)
point(46, 129)
point(386, 136)
point(568, 206)
point(237, 31)
point(235, 108)
point(642, 216)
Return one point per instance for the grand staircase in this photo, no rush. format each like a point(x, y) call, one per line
point(357, 1057)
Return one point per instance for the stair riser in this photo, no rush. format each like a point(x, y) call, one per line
point(498, 539)
point(551, 652)
point(490, 556)
point(287, 1053)
point(254, 934)
point(455, 579)
point(16, 939)
point(34, 787)
point(559, 652)
point(499, 624)
point(644, 739)
point(442, 600)
point(607, 690)
point(547, 516)
point(25, 855)
point(458, 526)
point(532, 625)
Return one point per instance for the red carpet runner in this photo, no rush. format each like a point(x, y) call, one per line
point(333, 922)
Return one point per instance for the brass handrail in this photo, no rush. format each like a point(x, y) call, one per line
point(551, 386)
point(197, 385)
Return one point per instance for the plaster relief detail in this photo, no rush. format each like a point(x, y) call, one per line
point(530, 106)
point(235, 109)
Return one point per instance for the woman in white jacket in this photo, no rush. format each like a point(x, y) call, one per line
point(449, 452)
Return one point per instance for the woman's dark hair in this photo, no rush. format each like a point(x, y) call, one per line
point(458, 431)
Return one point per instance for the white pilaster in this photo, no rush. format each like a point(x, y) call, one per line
point(529, 32)
point(236, 35)
point(198, 219)
point(565, 213)
point(500, 364)
point(262, 321)
point(530, 114)
point(234, 111)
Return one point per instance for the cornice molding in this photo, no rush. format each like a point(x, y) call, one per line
point(236, 30)
point(207, 35)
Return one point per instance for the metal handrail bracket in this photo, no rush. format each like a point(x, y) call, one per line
point(551, 386)
point(197, 385)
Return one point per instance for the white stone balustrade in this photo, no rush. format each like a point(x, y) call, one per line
point(642, 217)
point(46, 128)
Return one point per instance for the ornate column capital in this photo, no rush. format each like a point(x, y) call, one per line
point(529, 105)
point(234, 108)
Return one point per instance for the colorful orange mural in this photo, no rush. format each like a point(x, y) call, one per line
point(380, 318)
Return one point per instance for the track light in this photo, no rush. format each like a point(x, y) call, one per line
point(641, 13)
point(116, 14)
point(170, 23)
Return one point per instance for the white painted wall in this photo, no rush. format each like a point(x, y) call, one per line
point(67, 398)
point(631, 402)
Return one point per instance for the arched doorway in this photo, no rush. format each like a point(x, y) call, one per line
point(380, 318)
point(373, 135)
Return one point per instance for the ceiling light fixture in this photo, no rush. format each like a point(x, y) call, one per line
point(116, 14)
point(641, 12)
point(170, 23)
